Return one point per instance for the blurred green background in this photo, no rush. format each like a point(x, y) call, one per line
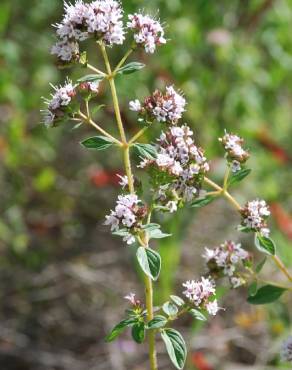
point(62, 275)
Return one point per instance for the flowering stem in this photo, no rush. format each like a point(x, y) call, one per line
point(98, 128)
point(139, 133)
point(237, 206)
point(127, 164)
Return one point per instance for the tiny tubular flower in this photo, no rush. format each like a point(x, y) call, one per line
point(201, 294)
point(101, 19)
point(165, 107)
point(235, 153)
point(286, 350)
point(226, 260)
point(182, 166)
point(127, 215)
point(124, 181)
point(254, 215)
point(148, 32)
point(60, 100)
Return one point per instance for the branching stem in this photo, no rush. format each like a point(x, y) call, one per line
point(237, 206)
point(127, 165)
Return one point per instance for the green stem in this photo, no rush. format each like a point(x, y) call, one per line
point(237, 206)
point(136, 136)
point(122, 61)
point(98, 128)
point(127, 164)
point(92, 68)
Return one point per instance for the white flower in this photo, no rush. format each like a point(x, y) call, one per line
point(198, 291)
point(135, 105)
point(286, 350)
point(104, 19)
point(212, 307)
point(123, 181)
point(235, 166)
point(148, 32)
point(66, 50)
point(172, 206)
point(254, 215)
point(101, 19)
point(129, 239)
point(131, 298)
point(226, 258)
point(62, 96)
point(127, 215)
point(234, 151)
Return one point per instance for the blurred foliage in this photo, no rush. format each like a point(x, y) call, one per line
point(233, 61)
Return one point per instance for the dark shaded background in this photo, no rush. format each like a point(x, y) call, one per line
point(62, 275)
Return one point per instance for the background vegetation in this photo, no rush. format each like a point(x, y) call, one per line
point(62, 276)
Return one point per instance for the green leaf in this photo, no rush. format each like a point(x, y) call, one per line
point(119, 328)
point(96, 108)
point(151, 226)
point(157, 322)
point(145, 150)
point(130, 68)
point(121, 232)
point(260, 265)
point(97, 142)
point(157, 234)
point(177, 300)
point(175, 346)
point(266, 294)
point(150, 262)
point(265, 245)
point(91, 78)
point(201, 202)
point(252, 289)
point(170, 308)
point(138, 332)
point(197, 314)
point(239, 176)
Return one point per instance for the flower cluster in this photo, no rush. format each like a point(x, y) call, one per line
point(131, 297)
point(59, 103)
point(254, 215)
point(179, 167)
point(148, 32)
point(235, 153)
point(201, 293)
point(167, 107)
point(226, 259)
point(286, 350)
point(126, 219)
point(100, 19)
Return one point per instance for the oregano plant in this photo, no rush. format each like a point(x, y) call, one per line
point(178, 176)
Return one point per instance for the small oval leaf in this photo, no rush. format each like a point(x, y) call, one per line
point(91, 78)
point(201, 202)
point(198, 315)
point(157, 322)
point(130, 68)
point(265, 244)
point(239, 176)
point(145, 150)
point(177, 300)
point(266, 294)
point(117, 330)
point(138, 332)
point(97, 142)
point(175, 346)
point(170, 308)
point(150, 262)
